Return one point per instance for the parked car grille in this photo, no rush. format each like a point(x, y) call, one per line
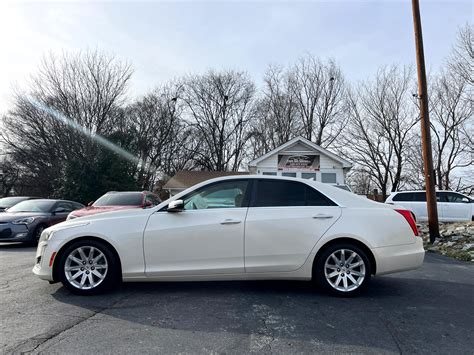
point(5, 233)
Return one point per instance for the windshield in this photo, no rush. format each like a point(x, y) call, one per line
point(120, 199)
point(33, 206)
point(10, 201)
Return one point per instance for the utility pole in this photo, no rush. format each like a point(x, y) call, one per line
point(425, 126)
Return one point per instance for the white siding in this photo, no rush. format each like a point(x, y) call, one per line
point(326, 163)
point(298, 147)
point(271, 162)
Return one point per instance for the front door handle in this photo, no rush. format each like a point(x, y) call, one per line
point(231, 221)
point(322, 216)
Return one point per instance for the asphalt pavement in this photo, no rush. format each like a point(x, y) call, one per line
point(429, 310)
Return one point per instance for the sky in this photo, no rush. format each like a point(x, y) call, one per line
point(166, 39)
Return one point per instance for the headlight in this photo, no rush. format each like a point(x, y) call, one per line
point(46, 235)
point(26, 220)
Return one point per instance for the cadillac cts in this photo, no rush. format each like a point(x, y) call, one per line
point(236, 228)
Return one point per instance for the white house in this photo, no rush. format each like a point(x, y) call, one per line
point(302, 158)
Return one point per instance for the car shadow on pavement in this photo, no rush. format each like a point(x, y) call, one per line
point(387, 316)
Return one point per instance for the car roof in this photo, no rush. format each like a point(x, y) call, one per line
point(339, 196)
point(25, 197)
point(128, 192)
point(399, 192)
point(54, 200)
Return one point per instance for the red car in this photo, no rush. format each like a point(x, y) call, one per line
point(118, 200)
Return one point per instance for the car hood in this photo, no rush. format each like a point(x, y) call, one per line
point(123, 213)
point(11, 216)
point(91, 210)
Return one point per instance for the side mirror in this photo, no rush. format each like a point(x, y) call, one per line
point(147, 204)
point(175, 206)
point(59, 210)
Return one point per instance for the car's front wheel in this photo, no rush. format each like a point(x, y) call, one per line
point(37, 233)
point(343, 269)
point(88, 267)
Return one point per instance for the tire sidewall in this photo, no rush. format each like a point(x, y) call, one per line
point(37, 233)
point(111, 278)
point(320, 277)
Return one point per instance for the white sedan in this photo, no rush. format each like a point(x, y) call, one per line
point(236, 228)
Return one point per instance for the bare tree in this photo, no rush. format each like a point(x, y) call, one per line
point(85, 91)
point(360, 181)
point(156, 122)
point(277, 116)
point(319, 91)
point(462, 58)
point(451, 112)
point(9, 175)
point(220, 110)
point(382, 116)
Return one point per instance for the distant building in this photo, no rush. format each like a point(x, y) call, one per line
point(187, 178)
point(302, 158)
point(298, 158)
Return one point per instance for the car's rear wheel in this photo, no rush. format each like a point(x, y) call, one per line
point(88, 267)
point(343, 269)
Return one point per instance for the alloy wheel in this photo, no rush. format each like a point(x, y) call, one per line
point(86, 267)
point(344, 270)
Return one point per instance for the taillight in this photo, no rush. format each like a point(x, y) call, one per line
point(410, 219)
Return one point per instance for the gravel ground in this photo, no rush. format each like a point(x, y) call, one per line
point(456, 240)
point(429, 310)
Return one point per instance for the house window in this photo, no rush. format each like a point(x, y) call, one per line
point(288, 174)
point(269, 173)
point(329, 178)
point(308, 176)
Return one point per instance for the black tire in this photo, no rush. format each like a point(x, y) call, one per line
point(37, 233)
point(319, 271)
point(112, 274)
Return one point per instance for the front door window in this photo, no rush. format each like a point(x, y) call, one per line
point(227, 194)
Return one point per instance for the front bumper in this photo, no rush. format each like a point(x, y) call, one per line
point(10, 232)
point(44, 255)
point(399, 257)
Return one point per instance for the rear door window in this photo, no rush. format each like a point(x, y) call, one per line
point(280, 193)
point(419, 197)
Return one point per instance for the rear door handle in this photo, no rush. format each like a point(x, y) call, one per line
point(231, 221)
point(322, 216)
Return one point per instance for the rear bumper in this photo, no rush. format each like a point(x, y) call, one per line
point(399, 258)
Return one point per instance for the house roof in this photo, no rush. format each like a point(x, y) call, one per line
point(344, 162)
point(187, 178)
